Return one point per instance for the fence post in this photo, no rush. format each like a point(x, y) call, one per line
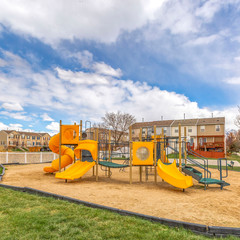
point(25, 160)
point(6, 157)
point(41, 157)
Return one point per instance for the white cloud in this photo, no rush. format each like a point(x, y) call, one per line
point(46, 118)
point(103, 68)
point(53, 127)
point(11, 126)
point(90, 94)
point(17, 115)
point(12, 106)
point(81, 77)
point(85, 19)
point(233, 80)
point(203, 40)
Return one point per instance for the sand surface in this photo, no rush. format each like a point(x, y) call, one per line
point(211, 207)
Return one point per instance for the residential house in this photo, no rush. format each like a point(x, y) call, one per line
point(204, 135)
point(13, 138)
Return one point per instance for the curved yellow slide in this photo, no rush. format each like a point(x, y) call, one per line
point(75, 171)
point(67, 155)
point(173, 176)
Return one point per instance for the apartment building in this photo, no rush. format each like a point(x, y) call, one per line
point(12, 138)
point(204, 135)
point(103, 134)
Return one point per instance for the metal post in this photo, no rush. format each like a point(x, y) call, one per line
point(130, 154)
point(97, 158)
point(60, 144)
point(109, 150)
point(140, 167)
point(180, 147)
point(155, 153)
point(80, 130)
point(185, 145)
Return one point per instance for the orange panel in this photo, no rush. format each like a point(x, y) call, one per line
point(142, 153)
point(70, 134)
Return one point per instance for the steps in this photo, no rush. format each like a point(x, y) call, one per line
point(206, 181)
point(192, 172)
point(213, 181)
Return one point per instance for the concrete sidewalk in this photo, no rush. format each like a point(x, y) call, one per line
point(213, 162)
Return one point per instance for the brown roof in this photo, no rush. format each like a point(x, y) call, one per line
point(42, 134)
point(164, 123)
point(25, 133)
point(183, 122)
point(219, 120)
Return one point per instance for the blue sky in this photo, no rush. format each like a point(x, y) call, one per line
point(80, 59)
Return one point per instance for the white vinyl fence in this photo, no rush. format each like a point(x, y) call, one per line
point(26, 157)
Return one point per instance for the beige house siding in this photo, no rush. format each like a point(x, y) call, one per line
point(23, 139)
point(3, 139)
point(210, 130)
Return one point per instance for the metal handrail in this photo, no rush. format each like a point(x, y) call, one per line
point(220, 168)
point(200, 165)
point(204, 159)
point(196, 154)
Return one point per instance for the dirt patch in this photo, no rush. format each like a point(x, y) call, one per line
point(211, 207)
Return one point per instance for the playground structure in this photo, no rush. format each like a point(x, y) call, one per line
point(148, 153)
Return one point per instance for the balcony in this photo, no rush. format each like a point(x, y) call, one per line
point(208, 145)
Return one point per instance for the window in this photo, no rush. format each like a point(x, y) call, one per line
point(204, 140)
point(150, 130)
point(176, 130)
point(33, 137)
point(202, 128)
point(200, 141)
point(217, 128)
point(165, 130)
point(23, 136)
point(28, 137)
point(44, 138)
point(38, 138)
point(191, 142)
point(143, 131)
point(189, 129)
point(11, 136)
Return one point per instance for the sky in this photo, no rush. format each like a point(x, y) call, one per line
point(157, 59)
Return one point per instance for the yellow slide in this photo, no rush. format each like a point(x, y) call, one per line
point(75, 171)
point(173, 176)
point(67, 155)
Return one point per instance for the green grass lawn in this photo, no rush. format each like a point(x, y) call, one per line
point(1, 170)
point(25, 216)
point(234, 157)
point(229, 168)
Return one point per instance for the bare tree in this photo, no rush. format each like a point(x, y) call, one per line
point(233, 141)
point(118, 123)
point(237, 119)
